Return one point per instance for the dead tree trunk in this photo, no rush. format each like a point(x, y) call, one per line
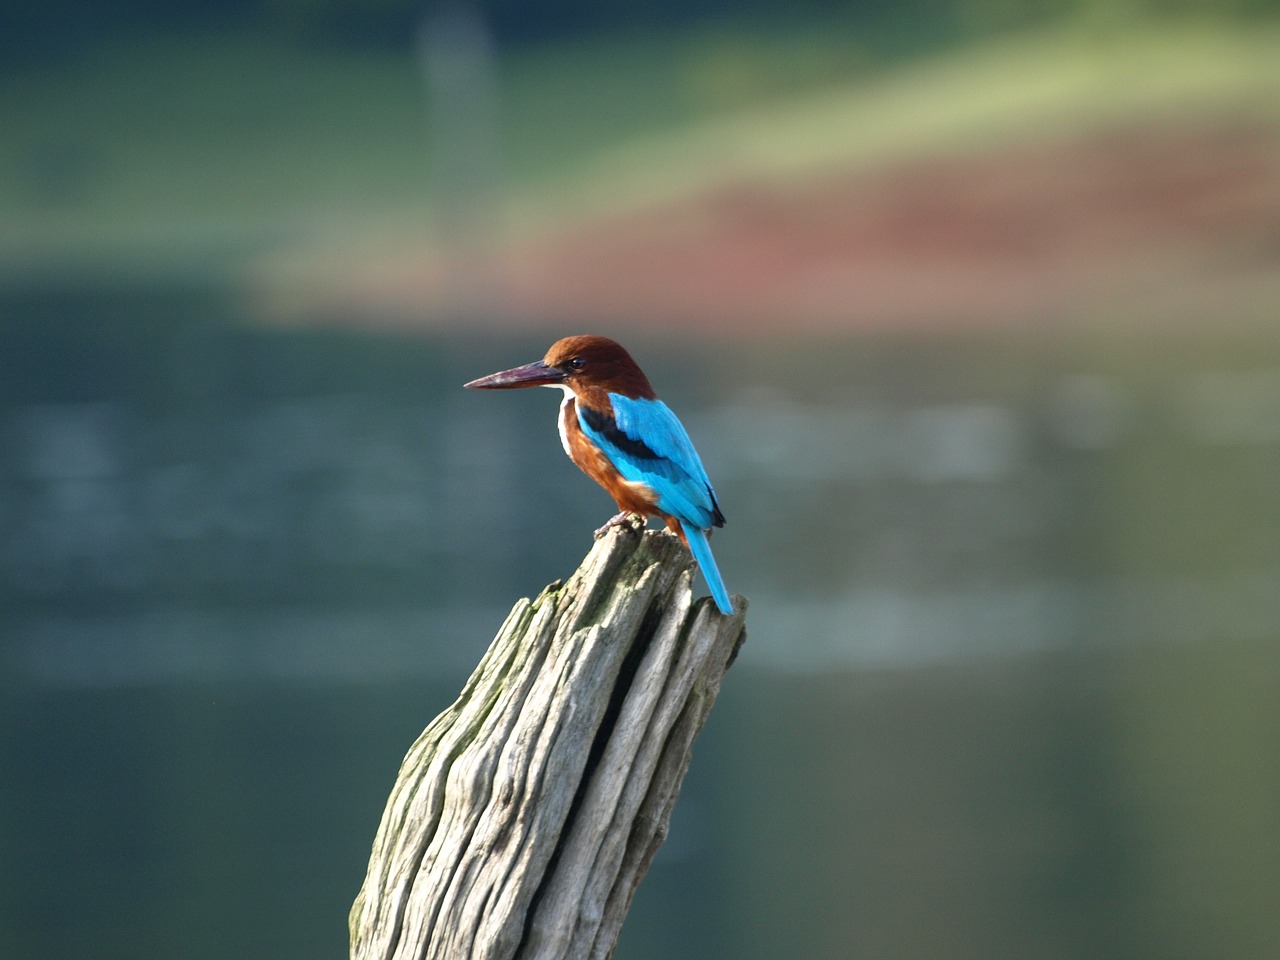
point(526, 814)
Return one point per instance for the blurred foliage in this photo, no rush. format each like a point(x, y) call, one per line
point(33, 32)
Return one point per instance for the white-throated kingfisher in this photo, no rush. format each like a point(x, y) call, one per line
point(614, 427)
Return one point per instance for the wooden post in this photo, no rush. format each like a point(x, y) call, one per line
point(526, 814)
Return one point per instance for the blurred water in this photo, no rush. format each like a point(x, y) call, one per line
point(1010, 687)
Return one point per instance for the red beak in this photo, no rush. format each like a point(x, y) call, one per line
point(536, 374)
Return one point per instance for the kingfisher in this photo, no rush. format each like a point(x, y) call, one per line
point(614, 427)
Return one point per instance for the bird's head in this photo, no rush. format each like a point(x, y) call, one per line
point(583, 364)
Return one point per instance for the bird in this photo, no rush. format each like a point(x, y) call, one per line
point(617, 431)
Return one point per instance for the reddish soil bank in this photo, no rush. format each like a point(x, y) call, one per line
point(1174, 222)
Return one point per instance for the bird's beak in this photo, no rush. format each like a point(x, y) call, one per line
point(536, 374)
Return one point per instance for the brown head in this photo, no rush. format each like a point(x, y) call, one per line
point(585, 364)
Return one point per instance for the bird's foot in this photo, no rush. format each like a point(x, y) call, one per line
point(632, 521)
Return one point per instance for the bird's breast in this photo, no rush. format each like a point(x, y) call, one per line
point(630, 495)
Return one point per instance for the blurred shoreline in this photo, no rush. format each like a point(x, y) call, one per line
point(1050, 178)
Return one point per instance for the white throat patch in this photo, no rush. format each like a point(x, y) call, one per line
point(563, 420)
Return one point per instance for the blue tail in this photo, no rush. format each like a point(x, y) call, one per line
point(702, 553)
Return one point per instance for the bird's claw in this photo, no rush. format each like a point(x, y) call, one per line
point(632, 521)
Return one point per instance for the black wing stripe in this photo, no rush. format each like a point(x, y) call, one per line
point(607, 427)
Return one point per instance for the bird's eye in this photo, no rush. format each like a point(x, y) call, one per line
point(577, 363)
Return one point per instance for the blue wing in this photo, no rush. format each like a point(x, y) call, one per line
point(648, 445)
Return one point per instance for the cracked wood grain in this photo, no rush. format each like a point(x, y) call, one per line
point(526, 814)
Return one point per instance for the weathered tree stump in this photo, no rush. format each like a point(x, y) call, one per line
point(526, 814)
